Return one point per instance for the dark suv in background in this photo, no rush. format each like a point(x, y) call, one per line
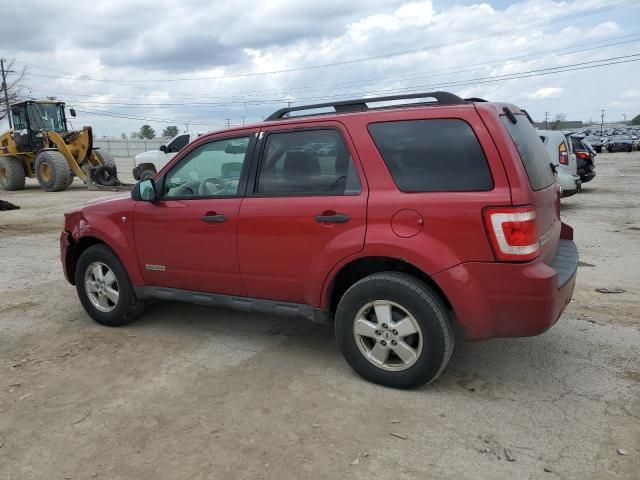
point(407, 226)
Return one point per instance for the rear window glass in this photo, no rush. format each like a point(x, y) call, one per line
point(532, 152)
point(432, 155)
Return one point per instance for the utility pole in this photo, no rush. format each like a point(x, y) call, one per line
point(546, 120)
point(4, 90)
point(243, 119)
point(187, 125)
point(624, 115)
point(228, 120)
point(602, 121)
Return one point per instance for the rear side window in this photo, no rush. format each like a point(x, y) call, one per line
point(532, 151)
point(307, 162)
point(432, 155)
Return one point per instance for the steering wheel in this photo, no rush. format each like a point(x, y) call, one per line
point(220, 186)
point(186, 190)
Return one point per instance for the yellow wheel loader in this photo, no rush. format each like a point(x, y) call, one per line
point(41, 146)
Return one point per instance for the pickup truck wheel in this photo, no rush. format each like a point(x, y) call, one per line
point(394, 330)
point(104, 287)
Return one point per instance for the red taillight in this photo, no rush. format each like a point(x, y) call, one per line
point(564, 156)
point(513, 233)
point(583, 155)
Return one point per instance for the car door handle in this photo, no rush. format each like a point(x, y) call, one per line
point(332, 217)
point(213, 218)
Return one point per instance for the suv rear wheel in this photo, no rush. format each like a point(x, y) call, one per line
point(104, 287)
point(394, 330)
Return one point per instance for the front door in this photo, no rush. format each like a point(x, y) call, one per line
point(305, 211)
point(187, 238)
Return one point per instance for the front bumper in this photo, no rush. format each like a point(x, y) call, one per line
point(136, 173)
point(510, 299)
point(65, 251)
point(620, 148)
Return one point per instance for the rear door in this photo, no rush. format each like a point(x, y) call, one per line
point(305, 210)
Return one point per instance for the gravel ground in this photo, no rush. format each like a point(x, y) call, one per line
point(189, 392)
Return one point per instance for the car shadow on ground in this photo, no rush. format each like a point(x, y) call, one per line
point(519, 364)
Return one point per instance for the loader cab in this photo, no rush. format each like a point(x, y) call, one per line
point(31, 119)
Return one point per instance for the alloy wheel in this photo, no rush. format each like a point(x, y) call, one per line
point(388, 335)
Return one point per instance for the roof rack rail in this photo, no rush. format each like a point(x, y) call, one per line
point(359, 105)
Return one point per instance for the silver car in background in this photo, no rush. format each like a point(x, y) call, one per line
point(564, 160)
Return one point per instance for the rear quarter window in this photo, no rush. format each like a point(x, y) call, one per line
point(437, 155)
point(532, 151)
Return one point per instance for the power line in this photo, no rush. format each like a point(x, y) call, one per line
point(261, 100)
point(474, 81)
point(581, 66)
point(572, 17)
point(105, 113)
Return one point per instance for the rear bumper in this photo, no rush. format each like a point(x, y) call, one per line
point(510, 299)
point(569, 184)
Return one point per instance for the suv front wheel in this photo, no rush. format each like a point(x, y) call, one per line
point(104, 287)
point(394, 330)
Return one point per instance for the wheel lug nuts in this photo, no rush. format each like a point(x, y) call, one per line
point(384, 343)
point(395, 332)
point(378, 332)
point(393, 342)
point(385, 326)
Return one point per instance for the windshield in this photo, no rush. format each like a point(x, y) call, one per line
point(593, 139)
point(618, 138)
point(46, 116)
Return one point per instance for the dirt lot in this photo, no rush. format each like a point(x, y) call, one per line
point(194, 393)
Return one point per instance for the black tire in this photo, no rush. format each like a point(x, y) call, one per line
point(12, 175)
point(426, 308)
point(105, 158)
point(53, 171)
point(147, 174)
point(107, 176)
point(128, 307)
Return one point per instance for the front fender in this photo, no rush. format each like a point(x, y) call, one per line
point(114, 230)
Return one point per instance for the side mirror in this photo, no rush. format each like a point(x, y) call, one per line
point(144, 191)
point(163, 148)
point(72, 111)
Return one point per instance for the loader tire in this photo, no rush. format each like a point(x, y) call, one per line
point(105, 175)
point(11, 174)
point(53, 171)
point(106, 159)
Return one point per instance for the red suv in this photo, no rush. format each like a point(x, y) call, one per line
point(408, 226)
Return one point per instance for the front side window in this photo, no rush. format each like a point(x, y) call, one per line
point(440, 155)
point(45, 117)
point(309, 162)
point(211, 170)
point(19, 119)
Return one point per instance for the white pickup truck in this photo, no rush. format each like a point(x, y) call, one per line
point(146, 164)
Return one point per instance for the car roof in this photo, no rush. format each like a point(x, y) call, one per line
point(349, 109)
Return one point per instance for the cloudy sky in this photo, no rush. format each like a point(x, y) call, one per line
point(205, 63)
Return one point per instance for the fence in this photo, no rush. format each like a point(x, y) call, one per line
point(128, 147)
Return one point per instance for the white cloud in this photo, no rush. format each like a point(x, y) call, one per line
point(546, 92)
point(454, 48)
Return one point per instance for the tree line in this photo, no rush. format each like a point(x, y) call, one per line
point(147, 132)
